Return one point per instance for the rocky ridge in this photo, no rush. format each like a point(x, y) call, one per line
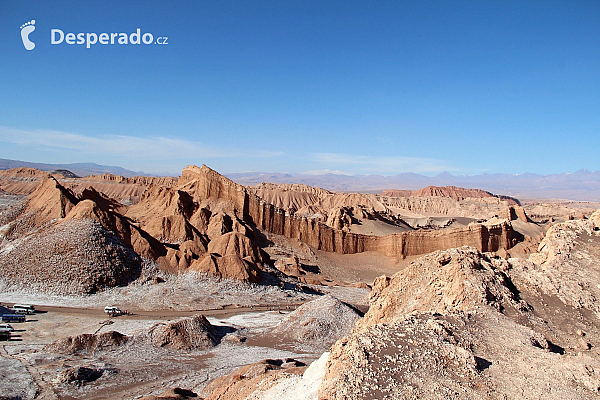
point(87, 343)
point(452, 192)
point(207, 223)
point(459, 324)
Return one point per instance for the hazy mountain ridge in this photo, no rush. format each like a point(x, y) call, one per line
point(580, 185)
point(80, 169)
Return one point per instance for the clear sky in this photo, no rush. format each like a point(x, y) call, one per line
point(294, 86)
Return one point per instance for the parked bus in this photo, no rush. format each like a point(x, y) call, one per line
point(13, 318)
point(23, 309)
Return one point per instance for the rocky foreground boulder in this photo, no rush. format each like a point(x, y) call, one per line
point(317, 324)
point(87, 343)
point(243, 382)
point(186, 333)
point(444, 281)
point(461, 324)
point(75, 257)
point(567, 264)
point(473, 355)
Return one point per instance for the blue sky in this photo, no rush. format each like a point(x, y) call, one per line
point(296, 86)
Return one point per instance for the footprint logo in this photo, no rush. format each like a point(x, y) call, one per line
point(26, 29)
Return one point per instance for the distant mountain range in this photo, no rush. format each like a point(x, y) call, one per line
point(582, 185)
point(80, 169)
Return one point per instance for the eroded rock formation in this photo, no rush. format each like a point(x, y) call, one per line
point(452, 192)
point(205, 222)
point(186, 333)
point(461, 324)
point(87, 343)
point(206, 183)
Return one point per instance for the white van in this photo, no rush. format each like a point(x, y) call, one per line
point(112, 310)
point(6, 327)
point(23, 309)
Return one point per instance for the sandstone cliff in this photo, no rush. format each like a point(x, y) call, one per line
point(452, 192)
point(207, 223)
point(206, 183)
point(23, 181)
point(390, 206)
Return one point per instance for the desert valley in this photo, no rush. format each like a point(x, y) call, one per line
point(225, 291)
point(300, 200)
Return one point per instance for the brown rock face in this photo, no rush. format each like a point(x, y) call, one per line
point(186, 333)
point(165, 213)
point(24, 172)
point(235, 244)
point(289, 266)
point(339, 219)
point(140, 241)
point(232, 256)
point(227, 267)
point(322, 237)
point(24, 181)
point(220, 224)
point(242, 383)
point(206, 183)
point(207, 223)
point(50, 201)
point(441, 282)
point(21, 181)
point(516, 213)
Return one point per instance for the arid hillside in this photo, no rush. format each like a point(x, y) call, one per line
point(462, 324)
point(24, 181)
point(470, 296)
point(491, 328)
point(206, 223)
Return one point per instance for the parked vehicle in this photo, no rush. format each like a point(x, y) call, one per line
point(113, 311)
point(4, 334)
point(23, 309)
point(13, 318)
point(7, 327)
